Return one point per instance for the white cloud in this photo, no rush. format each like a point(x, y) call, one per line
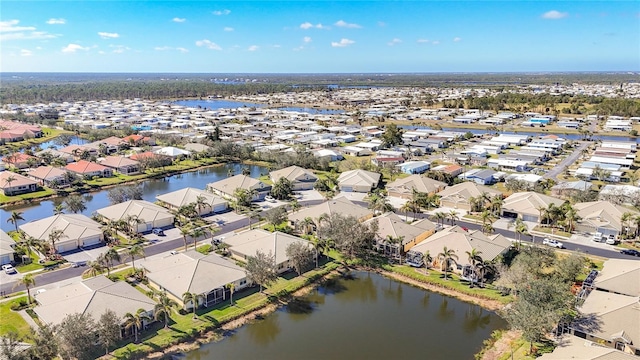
point(393, 42)
point(342, 43)
point(208, 44)
point(457, 39)
point(344, 24)
point(307, 39)
point(422, 41)
point(119, 49)
point(9, 30)
point(382, 24)
point(276, 46)
point(435, 42)
point(106, 35)
point(307, 25)
point(221, 12)
point(71, 48)
point(228, 29)
point(178, 20)
point(253, 48)
point(25, 52)
point(169, 48)
point(11, 26)
point(554, 14)
point(58, 21)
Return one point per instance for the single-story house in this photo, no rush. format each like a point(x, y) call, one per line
point(91, 297)
point(620, 276)
point(227, 187)
point(7, 252)
point(460, 241)
point(575, 348)
point(604, 217)
point(79, 230)
point(328, 154)
point(358, 181)
point(482, 177)
point(172, 152)
point(414, 167)
point(53, 153)
point(121, 164)
point(391, 225)
point(150, 214)
point(178, 198)
point(247, 243)
point(197, 147)
point(89, 169)
point(15, 184)
point(404, 187)
point(526, 205)
point(340, 205)
point(570, 187)
point(139, 140)
point(617, 318)
point(19, 160)
point(193, 272)
point(49, 176)
point(301, 179)
point(458, 196)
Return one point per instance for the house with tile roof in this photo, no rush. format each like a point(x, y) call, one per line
point(150, 215)
point(189, 195)
point(227, 187)
point(88, 169)
point(121, 164)
point(78, 230)
point(358, 181)
point(15, 184)
point(301, 179)
point(404, 187)
point(526, 205)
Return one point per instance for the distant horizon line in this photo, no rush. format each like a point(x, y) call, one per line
point(335, 73)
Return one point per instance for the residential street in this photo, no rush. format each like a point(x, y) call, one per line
point(553, 173)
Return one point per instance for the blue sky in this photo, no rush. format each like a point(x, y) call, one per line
point(319, 36)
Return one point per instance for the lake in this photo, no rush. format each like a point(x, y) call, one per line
point(96, 200)
point(367, 317)
point(227, 104)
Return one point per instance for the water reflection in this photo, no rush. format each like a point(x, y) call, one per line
point(349, 321)
point(267, 331)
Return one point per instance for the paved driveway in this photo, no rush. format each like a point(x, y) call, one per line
point(84, 255)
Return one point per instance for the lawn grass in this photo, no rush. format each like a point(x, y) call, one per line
point(33, 195)
point(12, 321)
point(453, 283)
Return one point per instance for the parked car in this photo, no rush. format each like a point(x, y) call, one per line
point(269, 198)
point(631, 252)
point(611, 240)
point(78, 264)
point(157, 231)
point(9, 269)
point(553, 243)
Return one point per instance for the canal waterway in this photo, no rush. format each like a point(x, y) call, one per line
point(367, 317)
point(227, 104)
point(530, 133)
point(96, 200)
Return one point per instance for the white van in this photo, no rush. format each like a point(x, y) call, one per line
point(598, 237)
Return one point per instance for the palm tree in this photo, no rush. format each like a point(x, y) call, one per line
point(487, 228)
point(132, 222)
point(571, 216)
point(28, 281)
point(55, 236)
point(132, 252)
point(29, 241)
point(453, 216)
point(194, 299)
point(136, 321)
point(427, 258)
point(111, 256)
point(95, 268)
point(440, 216)
point(474, 256)
point(14, 218)
point(231, 287)
point(396, 242)
point(406, 207)
point(185, 231)
point(164, 307)
point(9, 180)
point(295, 205)
point(625, 219)
point(486, 217)
point(201, 203)
point(58, 209)
point(195, 234)
point(307, 223)
point(447, 256)
point(495, 204)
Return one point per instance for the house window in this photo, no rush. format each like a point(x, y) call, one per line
point(243, 282)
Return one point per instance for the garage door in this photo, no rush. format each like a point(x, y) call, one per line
point(346, 189)
point(66, 247)
point(91, 241)
point(530, 218)
point(220, 208)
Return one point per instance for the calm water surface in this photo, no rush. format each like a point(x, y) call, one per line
point(368, 317)
point(226, 104)
point(196, 179)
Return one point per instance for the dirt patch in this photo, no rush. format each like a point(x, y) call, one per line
point(492, 305)
point(502, 346)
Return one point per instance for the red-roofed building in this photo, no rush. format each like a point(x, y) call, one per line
point(89, 169)
point(16, 184)
point(11, 131)
point(19, 160)
point(139, 140)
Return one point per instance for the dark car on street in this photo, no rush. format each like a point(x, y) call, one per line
point(630, 252)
